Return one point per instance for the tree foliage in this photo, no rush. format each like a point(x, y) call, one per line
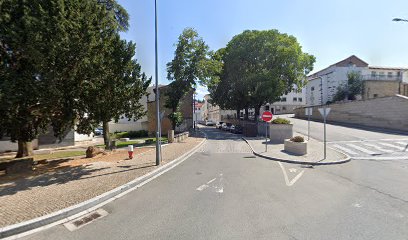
point(51, 52)
point(259, 67)
point(351, 90)
point(192, 65)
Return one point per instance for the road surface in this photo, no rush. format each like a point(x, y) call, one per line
point(224, 192)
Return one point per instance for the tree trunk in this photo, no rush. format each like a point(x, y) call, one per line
point(106, 136)
point(257, 110)
point(246, 117)
point(24, 149)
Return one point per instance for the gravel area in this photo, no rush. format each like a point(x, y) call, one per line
point(65, 183)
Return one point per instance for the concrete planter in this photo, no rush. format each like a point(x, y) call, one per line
point(279, 132)
point(297, 148)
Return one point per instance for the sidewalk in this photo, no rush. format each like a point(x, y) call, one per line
point(315, 154)
point(47, 190)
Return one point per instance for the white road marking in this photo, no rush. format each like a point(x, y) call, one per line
point(403, 143)
point(219, 188)
point(202, 187)
point(360, 148)
point(378, 148)
point(345, 149)
point(381, 158)
point(292, 170)
point(293, 181)
point(357, 205)
point(391, 146)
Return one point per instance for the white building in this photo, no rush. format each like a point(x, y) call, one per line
point(142, 124)
point(323, 85)
point(288, 102)
point(197, 114)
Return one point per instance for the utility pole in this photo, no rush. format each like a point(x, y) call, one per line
point(157, 98)
point(324, 115)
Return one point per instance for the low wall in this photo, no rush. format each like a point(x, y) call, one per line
point(385, 112)
point(8, 146)
point(126, 127)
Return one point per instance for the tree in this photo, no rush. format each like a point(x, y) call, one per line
point(47, 49)
point(260, 66)
point(116, 91)
point(192, 65)
point(350, 90)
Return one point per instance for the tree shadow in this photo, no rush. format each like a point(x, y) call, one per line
point(51, 174)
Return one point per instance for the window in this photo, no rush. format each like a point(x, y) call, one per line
point(266, 108)
point(373, 73)
point(312, 88)
point(283, 108)
point(382, 74)
point(295, 99)
point(390, 74)
point(283, 99)
point(375, 95)
point(300, 99)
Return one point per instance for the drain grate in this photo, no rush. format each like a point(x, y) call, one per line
point(84, 220)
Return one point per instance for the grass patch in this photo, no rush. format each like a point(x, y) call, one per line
point(56, 155)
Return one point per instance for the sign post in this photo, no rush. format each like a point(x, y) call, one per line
point(324, 112)
point(308, 112)
point(266, 117)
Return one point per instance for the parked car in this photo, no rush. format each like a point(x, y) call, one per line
point(98, 131)
point(219, 125)
point(209, 123)
point(226, 126)
point(237, 129)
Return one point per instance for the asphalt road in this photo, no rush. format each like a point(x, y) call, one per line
point(223, 192)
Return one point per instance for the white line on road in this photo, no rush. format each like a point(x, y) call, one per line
point(293, 181)
point(392, 146)
point(345, 149)
point(403, 143)
point(202, 187)
point(360, 149)
point(378, 148)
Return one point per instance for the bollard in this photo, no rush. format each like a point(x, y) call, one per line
point(130, 151)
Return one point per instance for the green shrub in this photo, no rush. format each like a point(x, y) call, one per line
point(280, 121)
point(132, 134)
point(297, 139)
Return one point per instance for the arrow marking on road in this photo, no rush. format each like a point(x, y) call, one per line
point(217, 187)
point(293, 181)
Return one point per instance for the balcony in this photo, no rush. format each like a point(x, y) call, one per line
point(382, 77)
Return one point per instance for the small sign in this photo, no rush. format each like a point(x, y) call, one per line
point(162, 115)
point(308, 111)
point(267, 116)
point(321, 110)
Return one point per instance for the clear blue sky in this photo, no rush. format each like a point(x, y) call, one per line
point(330, 30)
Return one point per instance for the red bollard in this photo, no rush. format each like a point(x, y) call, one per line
point(130, 151)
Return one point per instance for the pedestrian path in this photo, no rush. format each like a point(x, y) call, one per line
point(374, 149)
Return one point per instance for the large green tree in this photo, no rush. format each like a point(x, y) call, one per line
point(192, 65)
point(115, 90)
point(47, 51)
point(259, 67)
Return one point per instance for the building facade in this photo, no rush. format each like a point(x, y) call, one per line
point(323, 85)
point(215, 113)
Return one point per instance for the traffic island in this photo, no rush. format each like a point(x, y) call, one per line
point(314, 156)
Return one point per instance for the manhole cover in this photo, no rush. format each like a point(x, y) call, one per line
point(86, 219)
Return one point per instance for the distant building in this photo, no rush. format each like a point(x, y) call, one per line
point(215, 113)
point(198, 112)
point(287, 103)
point(125, 124)
point(377, 81)
point(186, 108)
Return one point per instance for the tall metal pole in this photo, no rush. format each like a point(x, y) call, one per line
point(158, 140)
point(308, 123)
point(194, 106)
point(324, 116)
point(266, 136)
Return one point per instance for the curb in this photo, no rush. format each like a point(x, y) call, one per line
point(67, 214)
point(345, 160)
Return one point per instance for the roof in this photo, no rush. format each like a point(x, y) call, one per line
point(387, 68)
point(344, 63)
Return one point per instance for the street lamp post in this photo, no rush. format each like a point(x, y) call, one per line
point(157, 96)
point(194, 106)
point(324, 114)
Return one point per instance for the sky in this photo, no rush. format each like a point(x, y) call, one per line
point(329, 30)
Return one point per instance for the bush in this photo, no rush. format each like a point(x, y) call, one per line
point(280, 121)
point(132, 134)
point(297, 139)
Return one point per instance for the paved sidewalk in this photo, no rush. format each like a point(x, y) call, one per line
point(315, 154)
point(34, 195)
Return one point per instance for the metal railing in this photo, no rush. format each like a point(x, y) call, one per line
point(382, 77)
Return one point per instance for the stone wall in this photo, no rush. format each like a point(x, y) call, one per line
point(383, 112)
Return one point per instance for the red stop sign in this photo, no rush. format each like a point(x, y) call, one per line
point(267, 116)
